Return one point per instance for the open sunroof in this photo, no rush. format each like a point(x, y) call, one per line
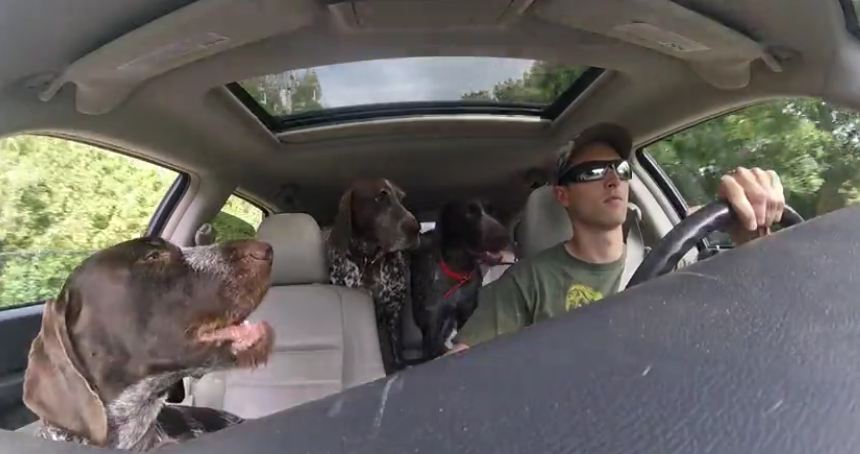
point(412, 86)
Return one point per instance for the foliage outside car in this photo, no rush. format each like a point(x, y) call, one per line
point(61, 200)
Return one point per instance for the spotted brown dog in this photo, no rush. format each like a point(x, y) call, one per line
point(366, 248)
point(128, 323)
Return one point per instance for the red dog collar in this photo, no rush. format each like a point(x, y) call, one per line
point(460, 278)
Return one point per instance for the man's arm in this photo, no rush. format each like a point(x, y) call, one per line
point(502, 308)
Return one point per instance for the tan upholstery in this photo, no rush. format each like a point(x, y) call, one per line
point(544, 223)
point(31, 429)
point(325, 335)
point(299, 254)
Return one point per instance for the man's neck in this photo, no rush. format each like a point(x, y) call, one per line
point(596, 245)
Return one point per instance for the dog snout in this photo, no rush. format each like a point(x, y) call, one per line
point(411, 227)
point(261, 251)
point(496, 236)
point(251, 249)
point(498, 242)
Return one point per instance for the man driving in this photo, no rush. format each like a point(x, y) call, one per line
point(592, 184)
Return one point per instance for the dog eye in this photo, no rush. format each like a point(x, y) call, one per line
point(152, 256)
point(382, 196)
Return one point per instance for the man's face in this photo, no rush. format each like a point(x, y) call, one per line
point(601, 204)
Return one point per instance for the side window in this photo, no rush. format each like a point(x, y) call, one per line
point(238, 220)
point(62, 200)
point(811, 144)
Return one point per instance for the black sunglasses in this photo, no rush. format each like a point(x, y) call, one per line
point(595, 170)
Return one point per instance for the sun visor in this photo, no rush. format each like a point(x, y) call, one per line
point(108, 75)
point(424, 14)
point(717, 53)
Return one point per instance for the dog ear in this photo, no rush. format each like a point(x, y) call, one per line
point(54, 387)
point(341, 232)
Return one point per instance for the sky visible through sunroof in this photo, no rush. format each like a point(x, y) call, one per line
point(382, 81)
point(414, 79)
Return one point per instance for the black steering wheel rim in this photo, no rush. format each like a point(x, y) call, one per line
point(717, 215)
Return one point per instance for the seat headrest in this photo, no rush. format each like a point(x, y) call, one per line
point(545, 223)
point(299, 254)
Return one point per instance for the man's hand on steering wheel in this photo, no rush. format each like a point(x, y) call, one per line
point(756, 196)
point(750, 202)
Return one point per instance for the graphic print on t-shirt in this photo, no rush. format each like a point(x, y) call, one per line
point(579, 295)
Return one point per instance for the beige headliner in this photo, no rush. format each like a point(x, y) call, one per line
point(175, 109)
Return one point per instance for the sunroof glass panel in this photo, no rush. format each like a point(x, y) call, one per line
point(466, 80)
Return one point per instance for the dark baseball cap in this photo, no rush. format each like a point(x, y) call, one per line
point(612, 134)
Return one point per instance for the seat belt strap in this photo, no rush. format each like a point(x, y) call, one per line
point(635, 249)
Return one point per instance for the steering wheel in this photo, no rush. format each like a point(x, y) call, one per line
point(715, 216)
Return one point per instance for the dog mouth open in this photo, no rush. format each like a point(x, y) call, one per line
point(249, 343)
point(490, 257)
point(492, 252)
point(242, 269)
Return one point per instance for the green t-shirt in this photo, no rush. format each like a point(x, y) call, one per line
point(551, 283)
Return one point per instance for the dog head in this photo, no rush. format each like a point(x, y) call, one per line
point(372, 211)
point(141, 309)
point(468, 225)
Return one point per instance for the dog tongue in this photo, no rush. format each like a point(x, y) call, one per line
point(243, 335)
point(492, 258)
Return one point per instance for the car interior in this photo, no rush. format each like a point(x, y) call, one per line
point(171, 82)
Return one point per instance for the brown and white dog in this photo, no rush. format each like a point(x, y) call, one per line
point(366, 248)
point(128, 323)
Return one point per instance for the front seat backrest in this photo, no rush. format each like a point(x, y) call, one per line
point(544, 223)
point(325, 335)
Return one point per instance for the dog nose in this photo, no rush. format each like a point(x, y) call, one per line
point(411, 227)
point(260, 250)
point(499, 242)
point(497, 238)
point(251, 248)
